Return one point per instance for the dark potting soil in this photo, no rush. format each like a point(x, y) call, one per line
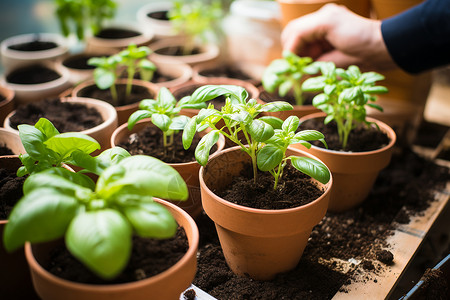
point(434, 287)
point(176, 51)
point(360, 139)
point(148, 258)
point(159, 15)
point(149, 141)
point(138, 93)
point(34, 74)
point(79, 62)
point(116, 33)
point(4, 150)
point(33, 46)
point(295, 189)
point(289, 98)
point(66, 117)
point(10, 191)
point(404, 189)
point(225, 71)
point(158, 77)
point(2, 98)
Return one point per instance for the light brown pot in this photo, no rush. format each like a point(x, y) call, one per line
point(387, 8)
point(354, 173)
point(253, 71)
point(161, 28)
point(256, 242)
point(101, 133)
point(15, 280)
point(124, 111)
point(167, 285)
point(180, 72)
point(189, 171)
point(7, 105)
point(78, 75)
point(209, 52)
point(11, 139)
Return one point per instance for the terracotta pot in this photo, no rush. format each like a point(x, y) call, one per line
point(161, 28)
point(15, 280)
point(123, 112)
point(209, 52)
point(27, 93)
point(95, 44)
point(189, 171)
point(12, 59)
point(166, 285)
point(11, 140)
point(102, 132)
point(7, 105)
point(77, 75)
point(256, 242)
point(387, 8)
point(354, 173)
point(252, 71)
point(293, 9)
point(180, 72)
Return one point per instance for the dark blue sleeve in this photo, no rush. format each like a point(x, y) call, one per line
point(419, 38)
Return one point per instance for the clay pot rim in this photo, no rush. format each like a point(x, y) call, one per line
point(383, 126)
point(11, 135)
point(220, 143)
point(144, 10)
point(190, 253)
point(183, 73)
point(58, 39)
point(112, 113)
point(284, 211)
point(121, 81)
point(8, 93)
point(144, 37)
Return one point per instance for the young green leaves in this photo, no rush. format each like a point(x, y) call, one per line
point(97, 222)
point(272, 157)
point(165, 113)
point(345, 94)
point(285, 74)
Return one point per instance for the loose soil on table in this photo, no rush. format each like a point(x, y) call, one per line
point(148, 258)
point(360, 139)
point(149, 141)
point(343, 248)
point(32, 75)
point(138, 93)
point(116, 33)
point(33, 46)
point(66, 117)
point(10, 191)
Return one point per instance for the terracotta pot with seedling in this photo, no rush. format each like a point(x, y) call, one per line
point(155, 130)
point(262, 233)
point(123, 94)
point(282, 80)
point(197, 26)
point(363, 145)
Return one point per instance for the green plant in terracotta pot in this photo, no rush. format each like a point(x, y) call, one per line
point(251, 248)
point(354, 163)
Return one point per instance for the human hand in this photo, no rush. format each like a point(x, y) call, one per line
point(334, 33)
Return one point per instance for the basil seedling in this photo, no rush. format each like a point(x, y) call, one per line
point(345, 94)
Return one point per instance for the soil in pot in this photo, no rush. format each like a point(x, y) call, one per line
point(79, 62)
point(33, 46)
point(225, 71)
point(34, 74)
point(159, 15)
point(137, 94)
point(149, 141)
point(158, 77)
point(360, 139)
point(289, 98)
point(65, 116)
point(10, 191)
point(295, 189)
point(116, 33)
point(4, 150)
point(149, 257)
point(176, 51)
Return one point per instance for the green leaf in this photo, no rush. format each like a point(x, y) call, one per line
point(101, 240)
point(284, 88)
point(275, 122)
point(312, 168)
point(148, 104)
point(189, 132)
point(269, 157)
point(259, 130)
point(46, 127)
point(309, 135)
point(204, 146)
point(270, 81)
point(179, 122)
point(161, 121)
point(276, 106)
point(375, 90)
point(314, 84)
point(65, 143)
point(165, 98)
point(290, 124)
point(209, 92)
point(151, 220)
point(376, 106)
point(137, 116)
point(104, 79)
point(371, 77)
point(41, 215)
point(76, 178)
point(33, 141)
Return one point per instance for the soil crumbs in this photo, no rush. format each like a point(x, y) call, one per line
point(10, 191)
point(343, 248)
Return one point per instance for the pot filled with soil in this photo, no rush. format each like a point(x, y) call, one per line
point(124, 105)
point(7, 102)
point(265, 240)
point(154, 17)
point(79, 69)
point(116, 37)
point(92, 117)
point(10, 143)
point(146, 138)
point(356, 168)
point(36, 82)
point(26, 49)
point(242, 71)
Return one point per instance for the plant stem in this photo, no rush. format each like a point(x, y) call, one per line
point(114, 95)
point(298, 93)
point(129, 81)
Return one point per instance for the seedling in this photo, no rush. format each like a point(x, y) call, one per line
point(108, 69)
point(239, 116)
point(164, 113)
point(197, 20)
point(345, 94)
point(286, 74)
point(84, 14)
point(97, 223)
